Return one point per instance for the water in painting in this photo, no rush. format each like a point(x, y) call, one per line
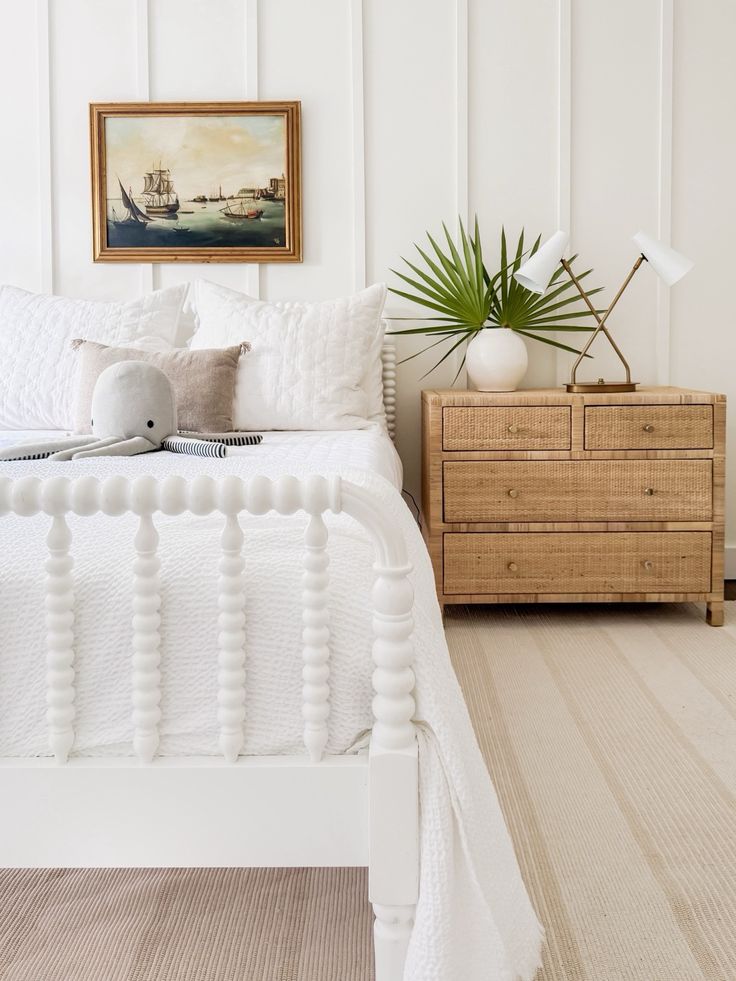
point(196, 181)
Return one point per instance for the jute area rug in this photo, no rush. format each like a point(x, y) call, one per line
point(611, 736)
point(185, 925)
point(611, 733)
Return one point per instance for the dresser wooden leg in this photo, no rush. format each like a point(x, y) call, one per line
point(714, 613)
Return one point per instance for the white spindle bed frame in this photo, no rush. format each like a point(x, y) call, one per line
point(306, 810)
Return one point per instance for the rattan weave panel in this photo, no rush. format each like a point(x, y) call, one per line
point(578, 490)
point(513, 427)
point(577, 562)
point(653, 427)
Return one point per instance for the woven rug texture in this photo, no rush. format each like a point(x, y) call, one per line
point(611, 736)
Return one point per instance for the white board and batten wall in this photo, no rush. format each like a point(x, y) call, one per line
point(602, 118)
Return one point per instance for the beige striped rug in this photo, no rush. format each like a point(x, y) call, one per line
point(611, 732)
point(611, 735)
point(185, 925)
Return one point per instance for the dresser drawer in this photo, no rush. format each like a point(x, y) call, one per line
point(501, 427)
point(577, 562)
point(654, 427)
point(577, 490)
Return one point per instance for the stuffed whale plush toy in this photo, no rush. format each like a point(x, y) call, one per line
point(133, 411)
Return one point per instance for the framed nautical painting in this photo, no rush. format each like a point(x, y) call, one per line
point(196, 182)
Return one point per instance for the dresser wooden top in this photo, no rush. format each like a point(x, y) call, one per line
point(644, 395)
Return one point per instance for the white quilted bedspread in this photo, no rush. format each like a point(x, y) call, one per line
point(474, 921)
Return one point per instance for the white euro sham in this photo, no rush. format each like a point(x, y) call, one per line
point(38, 368)
point(310, 364)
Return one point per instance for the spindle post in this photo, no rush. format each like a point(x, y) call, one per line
point(59, 640)
point(315, 637)
point(388, 357)
point(146, 641)
point(231, 641)
point(394, 774)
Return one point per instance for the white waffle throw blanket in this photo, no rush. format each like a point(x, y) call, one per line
point(474, 921)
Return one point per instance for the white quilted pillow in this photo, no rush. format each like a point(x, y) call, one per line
point(38, 368)
point(308, 361)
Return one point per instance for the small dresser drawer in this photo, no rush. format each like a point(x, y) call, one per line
point(577, 562)
point(577, 490)
point(648, 427)
point(501, 427)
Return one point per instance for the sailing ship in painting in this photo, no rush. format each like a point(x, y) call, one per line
point(134, 215)
point(161, 198)
point(158, 209)
point(241, 211)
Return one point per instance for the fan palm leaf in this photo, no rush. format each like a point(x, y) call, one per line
point(454, 283)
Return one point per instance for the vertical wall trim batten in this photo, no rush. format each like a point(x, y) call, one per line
point(563, 190)
point(563, 205)
point(143, 85)
point(45, 185)
point(664, 182)
point(357, 117)
point(462, 139)
point(462, 193)
point(253, 273)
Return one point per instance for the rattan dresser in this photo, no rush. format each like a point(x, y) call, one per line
point(541, 496)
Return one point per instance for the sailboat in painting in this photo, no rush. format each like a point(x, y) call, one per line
point(134, 214)
point(240, 211)
point(158, 190)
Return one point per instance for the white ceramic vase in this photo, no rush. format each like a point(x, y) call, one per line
point(496, 360)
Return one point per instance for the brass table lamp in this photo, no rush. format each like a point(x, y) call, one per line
point(537, 271)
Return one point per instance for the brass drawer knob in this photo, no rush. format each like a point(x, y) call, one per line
point(513, 493)
point(514, 429)
point(649, 428)
point(513, 567)
point(648, 564)
point(649, 491)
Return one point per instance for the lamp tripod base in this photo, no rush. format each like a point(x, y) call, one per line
point(601, 386)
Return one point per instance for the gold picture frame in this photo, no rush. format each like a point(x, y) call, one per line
point(241, 142)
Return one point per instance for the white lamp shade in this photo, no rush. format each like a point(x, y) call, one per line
point(669, 265)
point(537, 271)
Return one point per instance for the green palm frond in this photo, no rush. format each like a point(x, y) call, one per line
point(463, 297)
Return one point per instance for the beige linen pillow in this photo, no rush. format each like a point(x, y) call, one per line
point(204, 381)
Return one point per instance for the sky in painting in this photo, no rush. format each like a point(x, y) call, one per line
point(202, 152)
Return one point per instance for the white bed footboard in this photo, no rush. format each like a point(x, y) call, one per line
point(309, 810)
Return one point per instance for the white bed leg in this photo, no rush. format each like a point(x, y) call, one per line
point(394, 775)
point(60, 640)
point(391, 932)
point(146, 641)
point(231, 658)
